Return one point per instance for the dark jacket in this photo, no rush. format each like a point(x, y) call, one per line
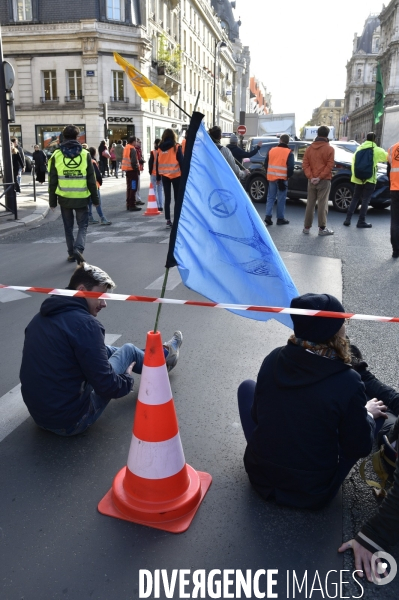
point(381, 531)
point(64, 358)
point(40, 161)
point(72, 149)
point(239, 153)
point(307, 408)
point(164, 146)
point(290, 161)
point(17, 163)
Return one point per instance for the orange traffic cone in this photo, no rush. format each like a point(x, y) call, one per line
point(156, 488)
point(152, 208)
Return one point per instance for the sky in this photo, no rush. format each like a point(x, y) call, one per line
point(299, 48)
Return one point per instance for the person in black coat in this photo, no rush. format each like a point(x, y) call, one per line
point(40, 164)
point(308, 418)
point(238, 152)
point(17, 166)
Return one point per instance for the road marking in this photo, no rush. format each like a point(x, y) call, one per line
point(13, 411)
point(141, 228)
point(11, 295)
point(173, 280)
point(110, 338)
point(151, 234)
point(165, 241)
point(120, 239)
point(50, 240)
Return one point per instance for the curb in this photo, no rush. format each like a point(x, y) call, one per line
point(40, 212)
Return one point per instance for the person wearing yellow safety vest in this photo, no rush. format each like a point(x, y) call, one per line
point(169, 162)
point(393, 174)
point(72, 182)
point(364, 176)
point(130, 166)
point(279, 166)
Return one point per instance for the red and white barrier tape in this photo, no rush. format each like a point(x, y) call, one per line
point(268, 309)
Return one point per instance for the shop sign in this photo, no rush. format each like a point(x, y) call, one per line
point(120, 119)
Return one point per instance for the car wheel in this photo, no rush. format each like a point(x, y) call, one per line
point(257, 189)
point(341, 196)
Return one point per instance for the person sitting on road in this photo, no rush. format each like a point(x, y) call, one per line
point(381, 531)
point(68, 374)
point(238, 152)
point(313, 411)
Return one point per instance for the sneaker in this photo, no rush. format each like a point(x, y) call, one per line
point(92, 221)
point(78, 257)
point(105, 221)
point(268, 220)
point(134, 208)
point(326, 231)
point(363, 225)
point(306, 230)
point(347, 222)
point(160, 208)
point(71, 258)
point(172, 346)
point(169, 223)
point(282, 222)
point(139, 203)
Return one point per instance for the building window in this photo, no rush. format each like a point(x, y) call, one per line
point(116, 10)
point(118, 86)
point(74, 85)
point(49, 86)
point(22, 10)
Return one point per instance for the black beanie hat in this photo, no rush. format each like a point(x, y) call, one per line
point(316, 329)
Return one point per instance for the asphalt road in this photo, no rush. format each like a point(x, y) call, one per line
point(54, 543)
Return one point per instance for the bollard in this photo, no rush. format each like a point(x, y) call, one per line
point(34, 181)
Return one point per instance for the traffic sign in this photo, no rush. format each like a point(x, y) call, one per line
point(241, 129)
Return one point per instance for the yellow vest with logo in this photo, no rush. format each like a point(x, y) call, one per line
point(72, 174)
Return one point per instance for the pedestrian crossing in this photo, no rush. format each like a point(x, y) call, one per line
point(142, 230)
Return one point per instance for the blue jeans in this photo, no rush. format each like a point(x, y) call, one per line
point(158, 190)
point(82, 220)
point(120, 359)
point(245, 396)
point(98, 208)
point(274, 193)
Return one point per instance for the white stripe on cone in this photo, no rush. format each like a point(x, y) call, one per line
point(154, 386)
point(156, 460)
point(152, 201)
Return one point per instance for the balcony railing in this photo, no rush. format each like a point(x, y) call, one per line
point(74, 98)
point(45, 100)
point(119, 99)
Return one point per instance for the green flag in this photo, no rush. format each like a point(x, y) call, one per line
point(379, 97)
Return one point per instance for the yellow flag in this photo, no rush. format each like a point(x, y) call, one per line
point(143, 86)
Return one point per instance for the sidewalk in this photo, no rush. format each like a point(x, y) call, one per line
point(29, 213)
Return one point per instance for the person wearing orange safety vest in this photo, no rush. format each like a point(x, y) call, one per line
point(393, 174)
point(158, 188)
point(169, 162)
point(279, 166)
point(130, 166)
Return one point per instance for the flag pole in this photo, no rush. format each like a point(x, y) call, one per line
point(165, 279)
point(179, 107)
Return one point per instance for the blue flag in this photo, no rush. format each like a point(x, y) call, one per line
point(220, 244)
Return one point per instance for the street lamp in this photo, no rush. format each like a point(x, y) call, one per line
point(218, 45)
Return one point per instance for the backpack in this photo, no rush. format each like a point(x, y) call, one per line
point(364, 164)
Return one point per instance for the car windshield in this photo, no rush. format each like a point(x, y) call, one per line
point(346, 146)
point(264, 149)
point(342, 155)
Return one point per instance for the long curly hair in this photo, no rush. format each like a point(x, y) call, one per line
point(336, 347)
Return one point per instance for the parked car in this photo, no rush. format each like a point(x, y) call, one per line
point(351, 146)
point(28, 161)
point(341, 186)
